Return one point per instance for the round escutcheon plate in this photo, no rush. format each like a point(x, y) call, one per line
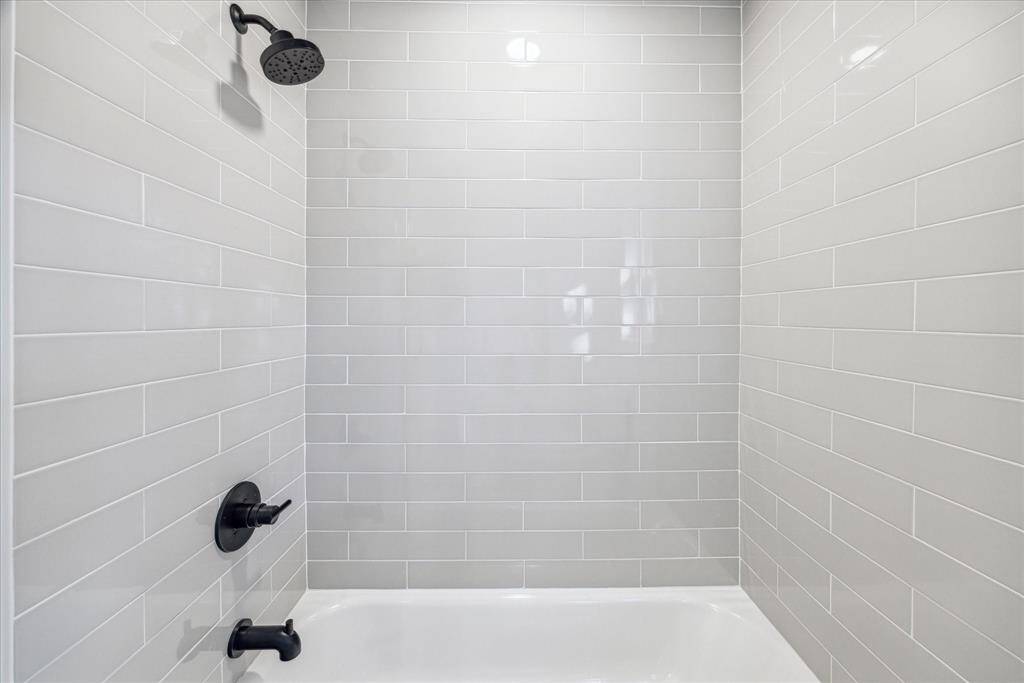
point(228, 534)
point(235, 12)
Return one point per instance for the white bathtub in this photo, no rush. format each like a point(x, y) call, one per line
point(650, 634)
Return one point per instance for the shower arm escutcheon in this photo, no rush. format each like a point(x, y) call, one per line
point(241, 512)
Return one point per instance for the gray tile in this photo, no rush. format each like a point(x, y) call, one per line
point(52, 301)
point(970, 653)
point(243, 346)
point(397, 545)
point(163, 650)
point(88, 423)
point(883, 590)
point(718, 485)
point(179, 400)
point(639, 486)
point(354, 458)
point(356, 574)
point(524, 545)
point(982, 423)
point(85, 486)
point(885, 307)
point(764, 539)
point(688, 514)
point(472, 574)
point(640, 544)
point(176, 495)
point(759, 499)
point(581, 515)
point(688, 456)
point(992, 609)
point(51, 236)
point(406, 487)
point(906, 657)
point(246, 421)
point(849, 651)
point(327, 486)
point(252, 572)
point(992, 548)
point(86, 544)
point(796, 634)
point(798, 491)
point(986, 304)
point(872, 398)
point(880, 494)
point(58, 172)
point(989, 364)
point(582, 573)
point(172, 306)
point(327, 545)
point(806, 421)
point(167, 597)
point(356, 516)
point(97, 655)
point(528, 487)
point(464, 516)
point(55, 366)
point(691, 572)
point(979, 482)
point(719, 542)
point(73, 613)
point(759, 562)
point(505, 457)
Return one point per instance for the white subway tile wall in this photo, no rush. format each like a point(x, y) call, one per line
point(503, 305)
point(523, 293)
point(882, 366)
point(159, 326)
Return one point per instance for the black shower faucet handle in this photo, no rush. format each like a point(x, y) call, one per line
point(265, 514)
point(241, 512)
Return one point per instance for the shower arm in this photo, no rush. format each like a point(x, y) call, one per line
point(241, 20)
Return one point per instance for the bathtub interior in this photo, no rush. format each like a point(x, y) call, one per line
point(533, 635)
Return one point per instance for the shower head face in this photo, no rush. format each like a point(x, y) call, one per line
point(291, 61)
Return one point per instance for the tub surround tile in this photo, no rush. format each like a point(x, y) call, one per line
point(531, 291)
point(880, 360)
point(521, 279)
point(160, 280)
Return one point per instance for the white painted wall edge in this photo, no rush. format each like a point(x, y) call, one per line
point(6, 330)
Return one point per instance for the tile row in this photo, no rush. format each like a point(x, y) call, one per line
point(548, 18)
point(415, 516)
point(516, 165)
point(464, 222)
point(522, 340)
point(329, 137)
point(510, 370)
point(519, 574)
point(377, 107)
point(525, 545)
point(518, 429)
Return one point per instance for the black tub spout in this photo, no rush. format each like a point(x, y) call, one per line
point(284, 639)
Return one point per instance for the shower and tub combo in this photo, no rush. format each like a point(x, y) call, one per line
point(514, 340)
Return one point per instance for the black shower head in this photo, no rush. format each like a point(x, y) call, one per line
point(288, 60)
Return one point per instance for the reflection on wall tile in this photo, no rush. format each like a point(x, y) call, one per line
point(535, 342)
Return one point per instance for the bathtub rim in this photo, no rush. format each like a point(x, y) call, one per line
point(730, 599)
